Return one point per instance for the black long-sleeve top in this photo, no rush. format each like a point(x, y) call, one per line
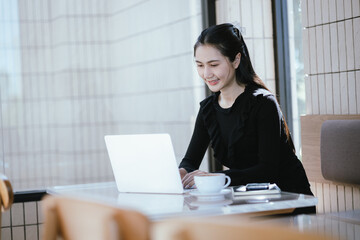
point(250, 139)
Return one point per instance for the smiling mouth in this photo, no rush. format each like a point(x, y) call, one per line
point(213, 82)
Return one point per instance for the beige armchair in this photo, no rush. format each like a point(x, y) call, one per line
point(6, 195)
point(77, 219)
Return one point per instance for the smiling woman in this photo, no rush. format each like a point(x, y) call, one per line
point(241, 120)
point(217, 71)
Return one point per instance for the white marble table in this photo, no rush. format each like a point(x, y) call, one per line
point(343, 225)
point(163, 206)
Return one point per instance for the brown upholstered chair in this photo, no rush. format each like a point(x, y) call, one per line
point(77, 219)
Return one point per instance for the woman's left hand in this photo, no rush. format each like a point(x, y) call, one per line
point(188, 179)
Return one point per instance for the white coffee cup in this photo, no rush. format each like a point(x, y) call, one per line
point(212, 183)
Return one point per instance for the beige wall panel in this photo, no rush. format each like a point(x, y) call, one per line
point(315, 94)
point(233, 9)
point(258, 23)
point(269, 60)
point(308, 95)
point(341, 45)
point(311, 13)
point(327, 48)
point(325, 11)
point(304, 13)
point(318, 12)
point(341, 197)
point(336, 93)
point(334, 47)
point(344, 99)
point(332, 10)
point(267, 19)
point(352, 92)
point(347, 8)
point(356, 26)
point(220, 10)
point(349, 198)
point(322, 94)
point(355, 8)
point(246, 18)
point(333, 198)
point(319, 49)
point(356, 198)
point(312, 50)
point(327, 196)
point(320, 195)
point(328, 93)
point(349, 38)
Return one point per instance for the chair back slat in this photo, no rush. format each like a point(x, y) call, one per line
point(76, 219)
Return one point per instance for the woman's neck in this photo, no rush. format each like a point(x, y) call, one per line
point(227, 97)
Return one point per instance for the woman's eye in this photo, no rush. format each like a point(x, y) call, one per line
point(214, 65)
point(199, 65)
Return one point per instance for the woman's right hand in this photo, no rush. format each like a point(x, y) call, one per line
point(183, 172)
point(188, 179)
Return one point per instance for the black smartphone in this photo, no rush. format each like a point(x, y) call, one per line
point(257, 186)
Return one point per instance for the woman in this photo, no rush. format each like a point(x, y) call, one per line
point(242, 120)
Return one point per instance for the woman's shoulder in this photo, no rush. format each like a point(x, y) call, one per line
point(208, 99)
point(263, 100)
point(263, 94)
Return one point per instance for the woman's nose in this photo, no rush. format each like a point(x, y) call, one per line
point(207, 72)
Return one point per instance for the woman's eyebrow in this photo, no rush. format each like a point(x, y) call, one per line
point(211, 61)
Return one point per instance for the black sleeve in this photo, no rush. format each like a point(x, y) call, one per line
point(269, 125)
point(197, 147)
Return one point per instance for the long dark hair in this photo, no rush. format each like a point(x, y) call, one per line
point(229, 41)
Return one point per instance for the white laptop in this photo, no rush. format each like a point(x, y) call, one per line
point(144, 163)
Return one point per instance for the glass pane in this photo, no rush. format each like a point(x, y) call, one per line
point(297, 69)
point(74, 71)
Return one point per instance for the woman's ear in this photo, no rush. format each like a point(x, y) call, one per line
point(236, 61)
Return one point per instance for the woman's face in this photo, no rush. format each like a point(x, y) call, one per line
point(216, 69)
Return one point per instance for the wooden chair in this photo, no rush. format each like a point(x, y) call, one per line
point(200, 229)
point(76, 219)
point(6, 195)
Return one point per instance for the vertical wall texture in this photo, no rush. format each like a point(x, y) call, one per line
point(254, 18)
point(331, 38)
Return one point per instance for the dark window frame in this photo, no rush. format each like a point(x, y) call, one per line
point(282, 59)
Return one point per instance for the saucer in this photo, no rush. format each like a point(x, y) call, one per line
point(210, 196)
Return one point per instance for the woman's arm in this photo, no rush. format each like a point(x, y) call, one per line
point(197, 147)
